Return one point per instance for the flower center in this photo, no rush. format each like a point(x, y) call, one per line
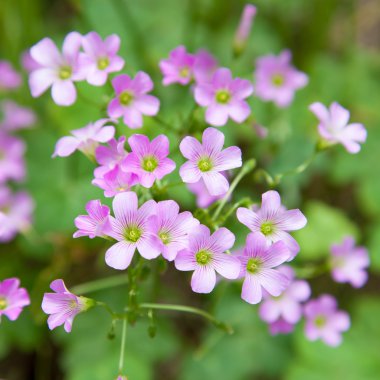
point(125, 98)
point(320, 321)
point(3, 303)
point(65, 72)
point(253, 265)
point(266, 228)
point(132, 234)
point(184, 72)
point(223, 96)
point(203, 257)
point(278, 80)
point(149, 163)
point(103, 63)
point(165, 237)
point(205, 164)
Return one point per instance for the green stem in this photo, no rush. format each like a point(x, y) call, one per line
point(244, 201)
point(104, 283)
point(166, 125)
point(122, 348)
point(247, 167)
point(188, 309)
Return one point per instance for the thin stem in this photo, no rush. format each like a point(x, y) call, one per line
point(188, 309)
point(247, 167)
point(166, 125)
point(122, 348)
point(104, 283)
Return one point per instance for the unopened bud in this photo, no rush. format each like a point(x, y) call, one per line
point(244, 28)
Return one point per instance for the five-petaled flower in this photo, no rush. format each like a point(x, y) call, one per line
point(334, 128)
point(224, 97)
point(274, 221)
point(148, 159)
point(324, 321)
point(208, 160)
point(57, 70)
point(63, 306)
point(132, 99)
point(206, 255)
point(257, 263)
point(12, 298)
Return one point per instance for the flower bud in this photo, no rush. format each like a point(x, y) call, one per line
point(243, 30)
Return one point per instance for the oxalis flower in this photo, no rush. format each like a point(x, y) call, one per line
point(274, 221)
point(96, 223)
point(85, 139)
point(132, 230)
point(148, 159)
point(277, 80)
point(12, 298)
point(257, 263)
point(287, 306)
point(132, 100)
point(172, 228)
point(100, 57)
point(15, 117)
point(57, 70)
point(324, 321)
point(10, 79)
point(349, 263)
point(206, 255)
point(334, 128)
point(63, 306)
point(208, 160)
point(224, 97)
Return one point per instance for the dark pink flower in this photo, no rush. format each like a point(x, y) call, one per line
point(58, 71)
point(148, 159)
point(324, 321)
point(132, 99)
point(100, 57)
point(277, 80)
point(9, 77)
point(12, 298)
point(63, 306)
point(224, 97)
point(206, 255)
point(280, 326)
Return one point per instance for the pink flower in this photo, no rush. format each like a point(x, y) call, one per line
point(28, 63)
point(208, 160)
point(178, 68)
point(85, 139)
point(111, 155)
point(132, 230)
point(204, 67)
point(12, 298)
point(274, 221)
point(16, 212)
point(206, 255)
point(148, 159)
point(324, 321)
point(9, 77)
point(132, 100)
point(333, 126)
point(287, 306)
point(57, 70)
point(244, 28)
point(114, 181)
point(349, 263)
point(100, 57)
point(277, 79)
point(12, 165)
point(172, 228)
point(63, 306)
point(15, 117)
point(224, 97)
point(257, 263)
point(96, 223)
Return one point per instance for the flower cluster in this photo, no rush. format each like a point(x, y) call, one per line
point(16, 208)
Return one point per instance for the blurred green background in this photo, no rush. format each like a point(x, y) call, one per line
point(337, 43)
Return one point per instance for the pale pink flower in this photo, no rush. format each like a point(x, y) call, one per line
point(10, 79)
point(12, 298)
point(15, 117)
